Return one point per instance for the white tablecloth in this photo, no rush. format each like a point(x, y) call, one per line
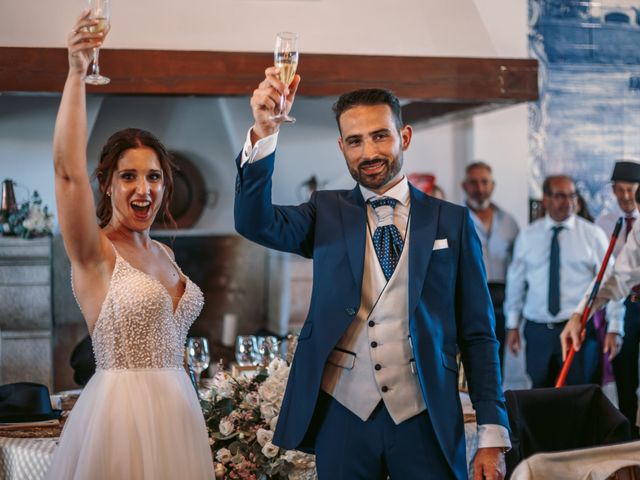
point(25, 458)
point(29, 458)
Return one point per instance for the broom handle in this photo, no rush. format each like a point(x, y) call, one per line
point(562, 377)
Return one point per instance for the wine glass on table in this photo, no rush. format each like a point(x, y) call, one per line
point(246, 350)
point(100, 11)
point(198, 355)
point(286, 59)
point(268, 349)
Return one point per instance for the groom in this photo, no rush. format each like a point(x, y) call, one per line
point(398, 289)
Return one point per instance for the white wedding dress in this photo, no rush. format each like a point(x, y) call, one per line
point(139, 417)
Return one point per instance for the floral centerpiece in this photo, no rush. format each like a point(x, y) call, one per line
point(241, 414)
point(31, 219)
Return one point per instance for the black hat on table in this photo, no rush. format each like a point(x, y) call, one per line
point(626, 171)
point(26, 402)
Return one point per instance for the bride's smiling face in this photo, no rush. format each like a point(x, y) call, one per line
point(136, 189)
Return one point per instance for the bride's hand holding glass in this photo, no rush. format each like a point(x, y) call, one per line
point(81, 43)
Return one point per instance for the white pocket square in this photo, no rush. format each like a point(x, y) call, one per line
point(440, 244)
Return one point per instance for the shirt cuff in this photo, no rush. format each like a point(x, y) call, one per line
point(490, 435)
point(512, 321)
point(615, 317)
point(263, 148)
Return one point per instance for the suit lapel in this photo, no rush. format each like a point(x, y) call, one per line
point(354, 223)
point(423, 230)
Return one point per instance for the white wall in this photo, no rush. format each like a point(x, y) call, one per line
point(211, 130)
point(501, 140)
point(402, 27)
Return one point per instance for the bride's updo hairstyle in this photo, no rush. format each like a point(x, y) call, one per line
point(114, 150)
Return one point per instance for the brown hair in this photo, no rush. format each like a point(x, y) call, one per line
point(368, 97)
point(113, 150)
point(478, 164)
point(546, 185)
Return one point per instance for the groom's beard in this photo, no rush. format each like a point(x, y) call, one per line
point(475, 205)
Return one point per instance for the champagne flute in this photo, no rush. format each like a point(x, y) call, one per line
point(101, 11)
point(198, 354)
point(268, 349)
point(246, 350)
point(286, 59)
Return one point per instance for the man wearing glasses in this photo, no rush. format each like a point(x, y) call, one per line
point(554, 260)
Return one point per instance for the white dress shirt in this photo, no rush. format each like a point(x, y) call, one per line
point(625, 275)
point(607, 221)
point(497, 243)
point(489, 435)
point(582, 249)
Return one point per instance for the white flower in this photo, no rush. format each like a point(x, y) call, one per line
point(273, 423)
point(37, 220)
point(299, 460)
point(252, 400)
point(264, 436)
point(223, 384)
point(278, 369)
point(225, 427)
point(270, 392)
point(268, 411)
point(223, 455)
point(303, 474)
point(270, 450)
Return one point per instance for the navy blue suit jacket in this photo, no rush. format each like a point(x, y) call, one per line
point(449, 302)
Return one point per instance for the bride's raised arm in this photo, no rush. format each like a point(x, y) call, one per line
point(74, 198)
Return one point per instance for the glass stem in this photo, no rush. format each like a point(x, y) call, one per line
point(95, 70)
point(283, 103)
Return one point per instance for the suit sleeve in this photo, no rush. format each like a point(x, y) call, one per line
point(284, 228)
point(476, 331)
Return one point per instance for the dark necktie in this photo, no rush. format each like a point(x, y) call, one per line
point(387, 240)
point(628, 223)
point(554, 273)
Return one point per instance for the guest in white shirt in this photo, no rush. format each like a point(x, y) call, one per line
point(497, 231)
point(625, 275)
point(625, 178)
point(554, 260)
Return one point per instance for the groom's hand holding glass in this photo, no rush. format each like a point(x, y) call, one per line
point(265, 103)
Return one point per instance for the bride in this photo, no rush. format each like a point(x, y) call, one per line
point(139, 416)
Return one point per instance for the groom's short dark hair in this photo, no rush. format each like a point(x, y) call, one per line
point(369, 96)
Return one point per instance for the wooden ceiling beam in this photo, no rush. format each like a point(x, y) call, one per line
point(171, 72)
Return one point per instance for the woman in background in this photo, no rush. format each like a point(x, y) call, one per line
point(138, 417)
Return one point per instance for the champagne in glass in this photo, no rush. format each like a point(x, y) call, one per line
point(101, 11)
point(198, 354)
point(286, 59)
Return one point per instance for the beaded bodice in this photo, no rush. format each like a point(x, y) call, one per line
point(137, 326)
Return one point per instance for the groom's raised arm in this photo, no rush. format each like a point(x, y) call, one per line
point(285, 228)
